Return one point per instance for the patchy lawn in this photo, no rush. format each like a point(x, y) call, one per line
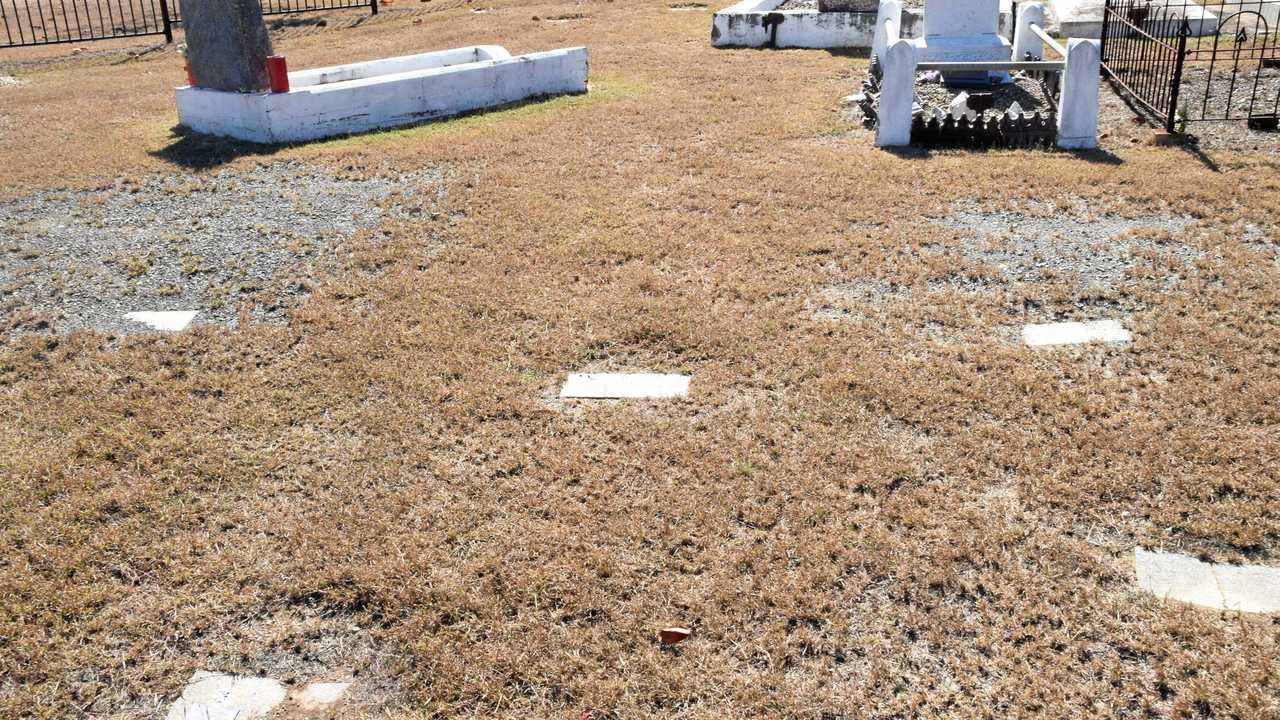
point(874, 503)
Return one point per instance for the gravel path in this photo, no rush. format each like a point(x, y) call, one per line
point(212, 243)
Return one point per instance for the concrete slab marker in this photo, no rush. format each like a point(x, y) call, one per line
point(219, 696)
point(607, 386)
point(165, 321)
point(1244, 588)
point(1075, 333)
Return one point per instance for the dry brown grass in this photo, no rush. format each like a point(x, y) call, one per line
point(857, 518)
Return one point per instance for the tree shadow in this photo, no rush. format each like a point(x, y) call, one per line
point(196, 151)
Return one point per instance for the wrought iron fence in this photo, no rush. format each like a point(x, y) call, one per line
point(1185, 62)
point(25, 23)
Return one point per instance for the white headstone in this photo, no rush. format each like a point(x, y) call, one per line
point(897, 95)
point(1078, 111)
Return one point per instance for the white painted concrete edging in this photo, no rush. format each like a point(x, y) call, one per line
point(744, 25)
point(391, 92)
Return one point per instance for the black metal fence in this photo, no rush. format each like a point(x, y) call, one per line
point(1184, 62)
point(26, 23)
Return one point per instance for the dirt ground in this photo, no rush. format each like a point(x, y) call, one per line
point(875, 503)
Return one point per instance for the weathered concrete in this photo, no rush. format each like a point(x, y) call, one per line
point(1243, 588)
point(625, 385)
point(227, 44)
point(218, 696)
point(1075, 333)
point(165, 321)
point(888, 27)
point(1083, 18)
point(384, 93)
point(1078, 107)
point(897, 95)
point(754, 23)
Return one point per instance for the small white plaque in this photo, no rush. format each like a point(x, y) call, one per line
point(601, 386)
point(168, 321)
point(1075, 333)
point(1245, 588)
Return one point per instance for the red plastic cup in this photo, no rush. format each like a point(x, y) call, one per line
point(278, 74)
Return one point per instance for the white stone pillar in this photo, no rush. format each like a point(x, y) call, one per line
point(880, 42)
point(1078, 107)
point(1025, 41)
point(897, 95)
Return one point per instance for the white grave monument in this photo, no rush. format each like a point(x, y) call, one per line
point(963, 31)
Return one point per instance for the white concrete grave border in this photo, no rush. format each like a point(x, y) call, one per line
point(750, 24)
point(358, 97)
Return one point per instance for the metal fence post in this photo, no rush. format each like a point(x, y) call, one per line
point(1176, 82)
point(373, 7)
point(168, 22)
point(1102, 39)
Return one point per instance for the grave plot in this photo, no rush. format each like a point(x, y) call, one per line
point(1080, 260)
point(391, 92)
point(150, 254)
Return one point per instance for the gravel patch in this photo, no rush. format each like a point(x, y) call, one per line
point(1027, 92)
point(213, 243)
point(1045, 242)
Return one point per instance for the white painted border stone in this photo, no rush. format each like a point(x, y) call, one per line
point(164, 321)
point(385, 93)
point(612, 386)
point(1243, 588)
point(1075, 333)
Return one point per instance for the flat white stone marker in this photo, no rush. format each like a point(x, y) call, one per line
point(318, 696)
point(218, 696)
point(1075, 333)
point(1245, 588)
point(167, 321)
point(607, 386)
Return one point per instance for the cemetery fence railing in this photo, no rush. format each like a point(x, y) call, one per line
point(27, 23)
point(1185, 63)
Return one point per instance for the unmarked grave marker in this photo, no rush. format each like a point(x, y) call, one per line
point(218, 696)
point(1075, 333)
point(1246, 588)
point(167, 321)
point(221, 696)
point(608, 386)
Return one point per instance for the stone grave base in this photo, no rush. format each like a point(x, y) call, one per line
point(1083, 19)
point(760, 23)
point(358, 97)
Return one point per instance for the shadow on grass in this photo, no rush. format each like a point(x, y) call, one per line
point(193, 150)
point(1097, 156)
